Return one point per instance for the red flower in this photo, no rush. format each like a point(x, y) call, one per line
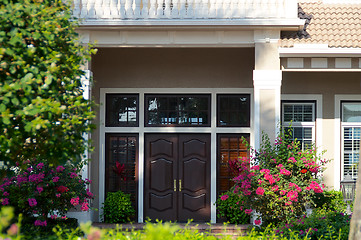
point(62, 189)
point(119, 169)
point(303, 170)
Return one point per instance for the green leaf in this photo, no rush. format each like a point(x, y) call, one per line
point(15, 101)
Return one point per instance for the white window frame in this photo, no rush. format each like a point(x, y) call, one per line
point(343, 126)
point(311, 124)
point(141, 130)
point(317, 115)
point(338, 142)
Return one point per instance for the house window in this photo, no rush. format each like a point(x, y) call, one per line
point(300, 117)
point(177, 110)
point(229, 147)
point(233, 110)
point(121, 110)
point(351, 132)
point(121, 164)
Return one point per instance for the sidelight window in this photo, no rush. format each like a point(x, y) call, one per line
point(230, 147)
point(351, 135)
point(121, 164)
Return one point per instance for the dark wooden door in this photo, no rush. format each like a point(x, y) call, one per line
point(177, 177)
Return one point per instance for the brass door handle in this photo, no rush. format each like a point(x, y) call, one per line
point(175, 185)
point(180, 185)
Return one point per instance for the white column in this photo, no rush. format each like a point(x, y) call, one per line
point(267, 79)
point(267, 103)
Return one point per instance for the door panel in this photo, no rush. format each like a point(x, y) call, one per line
point(194, 171)
point(161, 170)
point(177, 177)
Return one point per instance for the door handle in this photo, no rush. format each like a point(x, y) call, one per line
point(180, 185)
point(175, 185)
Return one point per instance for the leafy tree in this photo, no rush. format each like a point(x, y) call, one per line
point(43, 114)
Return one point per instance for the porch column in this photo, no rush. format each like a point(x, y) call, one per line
point(267, 78)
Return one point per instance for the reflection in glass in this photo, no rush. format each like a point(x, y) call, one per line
point(351, 112)
point(177, 110)
point(233, 110)
point(121, 110)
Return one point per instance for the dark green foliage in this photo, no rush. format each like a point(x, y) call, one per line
point(330, 200)
point(321, 224)
point(43, 114)
point(231, 208)
point(29, 231)
point(117, 208)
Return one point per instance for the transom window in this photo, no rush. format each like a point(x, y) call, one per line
point(233, 110)
point(301, 117)
point(177, 110)
point(121, 110)
point(351, 134)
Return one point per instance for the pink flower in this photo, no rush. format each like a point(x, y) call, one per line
point(224, 197)
point(89, 193)
point(74, 201)
point(62, 189)
point(39, 189)
point(40, 223)
point(246, 192)
point(255, 167)
point(267, 171)
point(292, 159)
point(53, 216)
point(55, 179)
point(285, 172)
point(32, 202)
point(275, 188)
point(84, 206)
point(260, 191)
point(40, 166)
point(5, 201)
point(257, 222)
point(60, 168)
point(279, 166)
point(73, 175)
point(58, 195)
point(283, 192)
point(5, 194)
point(248, 211)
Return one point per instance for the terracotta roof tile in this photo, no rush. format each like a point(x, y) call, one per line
point(338, 25)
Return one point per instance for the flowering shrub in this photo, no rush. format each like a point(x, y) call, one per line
point(43, 189)
point(230, 207)
point(282, 179)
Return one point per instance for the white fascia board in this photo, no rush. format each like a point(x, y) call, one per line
point(283, 23)
point(319, 52)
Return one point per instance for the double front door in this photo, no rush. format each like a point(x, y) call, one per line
point(177, 177)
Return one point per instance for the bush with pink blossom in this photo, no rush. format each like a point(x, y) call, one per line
point(280, 179)
point(43, 191)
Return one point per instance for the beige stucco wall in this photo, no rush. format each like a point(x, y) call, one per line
point(327, 84)
point(167, 68)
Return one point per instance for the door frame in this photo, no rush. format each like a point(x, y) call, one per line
point(141, 130)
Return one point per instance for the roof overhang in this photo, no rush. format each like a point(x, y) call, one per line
point(318, 50)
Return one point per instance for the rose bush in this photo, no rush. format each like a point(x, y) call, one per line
point(44, 190)
point(229, 206)
point(280, 182)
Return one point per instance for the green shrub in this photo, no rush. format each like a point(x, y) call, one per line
point(330, 200)
point(320, 224)
point(229, 206)
point(117, 208)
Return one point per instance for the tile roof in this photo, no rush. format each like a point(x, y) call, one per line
point(338, 25)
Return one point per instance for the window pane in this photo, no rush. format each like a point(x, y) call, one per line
point(177, 110)
point(233, 110)
point(121, 165)
point(230, 147)
point(351, 150)
point(121, 110)
point(298, 112)
point(351, 112)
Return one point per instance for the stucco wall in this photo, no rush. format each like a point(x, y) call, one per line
point(327, 84)
point(167, 68)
